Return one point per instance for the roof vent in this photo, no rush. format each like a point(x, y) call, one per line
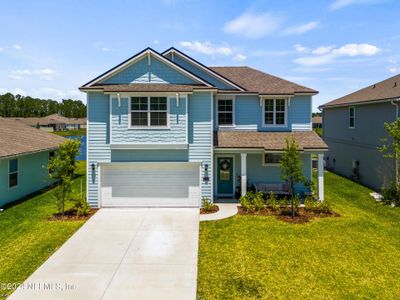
point(374, 86)
point(395, 84)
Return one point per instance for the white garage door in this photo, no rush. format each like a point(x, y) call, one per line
point(150, 184)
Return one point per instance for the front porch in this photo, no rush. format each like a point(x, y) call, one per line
point(245, 160)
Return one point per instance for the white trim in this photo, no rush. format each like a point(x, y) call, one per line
point(148, 111)
point(139, 56)
point(187, 118)
point(148, 146)
point(8, 174)
point(320, 177)
point(321, 107)
point(212, 148)
point(274, 125)
point(111, 139)
point(354, 117)
point(99, 199)
point(233, 174)
point(209, 71)
point(223, 97)
point(145, 94)
point(87, 147)
point(243, 173)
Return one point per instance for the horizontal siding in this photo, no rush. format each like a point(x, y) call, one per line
point(98, 141)
point(164, 155)
point(175, 134)
point(141, 72)
point(200, 137)
point(33, 176)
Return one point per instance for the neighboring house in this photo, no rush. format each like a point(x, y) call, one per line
point(317, 122)
point(54, 122)
point(353, 128)
point(165, 130)
point(24, 155)
point(69, 123)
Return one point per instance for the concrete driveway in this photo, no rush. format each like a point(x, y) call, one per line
point(123, 254)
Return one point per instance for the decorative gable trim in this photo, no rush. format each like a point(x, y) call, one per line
point(146, 52)
point(173, 51)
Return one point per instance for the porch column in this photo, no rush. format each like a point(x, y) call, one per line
point(243, 160)
point(320, 177)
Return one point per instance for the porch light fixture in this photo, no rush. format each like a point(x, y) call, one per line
point(119, 99)
point(93, 167)
point(206, 167)
point(177, 100)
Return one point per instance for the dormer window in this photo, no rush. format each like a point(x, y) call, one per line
point(225, 112)
point(274, 112)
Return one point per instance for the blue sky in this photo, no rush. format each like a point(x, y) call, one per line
point(49, 48)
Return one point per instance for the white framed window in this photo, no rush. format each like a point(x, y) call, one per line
point(226, 111)
point(271, 159)
point(13, 173)
point(352, 117)
point(149, 112)
point(274, 112)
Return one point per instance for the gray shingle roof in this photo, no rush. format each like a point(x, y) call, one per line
point(17, 138)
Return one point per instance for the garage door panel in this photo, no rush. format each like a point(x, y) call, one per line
point(150, 184)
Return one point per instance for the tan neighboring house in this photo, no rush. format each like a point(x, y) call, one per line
point(54, 122)
point(317, 122)
point(24, 156)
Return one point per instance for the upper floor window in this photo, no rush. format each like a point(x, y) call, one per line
point(12, 173)
point(225, 112)
point(352, 117)
point(149, 112)
point(275, 112)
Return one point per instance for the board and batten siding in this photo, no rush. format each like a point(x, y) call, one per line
point(201, 137)
point(175, 134)
point(32, 176)
point(142, 72)
point(98, 141)
point(248, 114)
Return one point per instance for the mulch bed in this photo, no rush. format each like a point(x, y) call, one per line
point(302, 216)
point(214, 210)
point(70, 215)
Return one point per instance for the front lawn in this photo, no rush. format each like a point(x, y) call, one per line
point(28, 238)
point(356, 255)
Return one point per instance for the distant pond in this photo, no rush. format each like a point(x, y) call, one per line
point(82, 152)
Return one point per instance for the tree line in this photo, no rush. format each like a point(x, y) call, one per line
point(26, 106)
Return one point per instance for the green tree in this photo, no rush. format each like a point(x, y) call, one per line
point(62, 169)
point(291, 167)
point(391, 147)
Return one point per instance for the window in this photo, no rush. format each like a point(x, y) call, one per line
point(352, 117)
point(12, 173)
point(149, 112)
point(271, 158)
point(52, 154)
point(275, 112)
point(225, 112)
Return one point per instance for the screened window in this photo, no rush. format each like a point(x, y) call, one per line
point(149, 111)
point(274, 112)
point(225, 112)
point(13, 173)
point(52, 154)
point(352, 117)
point(272, 158)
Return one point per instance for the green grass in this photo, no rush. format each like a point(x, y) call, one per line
point(77, 132)
point(351, 257)
point(27, 238)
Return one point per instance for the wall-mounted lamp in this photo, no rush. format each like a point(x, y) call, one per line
point(206, 178)
point(93, 167)
point(206, 167)
point(119, 100)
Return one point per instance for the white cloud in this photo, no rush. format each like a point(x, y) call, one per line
point(300, 29)
point(46, 93)
point(207, 48)
point(252, 25)
point(156, 42)
point(394, 70)
point(17, 47)
point(1, 49)
point(328, 54)
point(45, 74)
point(300, 48)
point(100, 45)
point(338, 4)
point(240, 57)
point(322, 50)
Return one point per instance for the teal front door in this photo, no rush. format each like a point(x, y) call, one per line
point(225, 175)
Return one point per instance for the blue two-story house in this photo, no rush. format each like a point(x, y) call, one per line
point(166, 130)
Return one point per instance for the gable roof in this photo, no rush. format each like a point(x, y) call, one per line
point(134, 58)
point(17, 138)
point(203, 67)
point(383, 90)
point(262, 83)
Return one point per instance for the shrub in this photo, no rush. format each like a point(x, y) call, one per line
point(310, 203)
point(81, 206)
point(258, 201)
point(391, 195)
point(272, 202)
point(324, 206)
point(208, 206)
point(252, 201)
point(296, 202)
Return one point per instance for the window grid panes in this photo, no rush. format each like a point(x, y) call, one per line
point(149, 111)
point(272, 158)
point(274, 111)
point(352, 117)
point(225, 112)
point(13, 173)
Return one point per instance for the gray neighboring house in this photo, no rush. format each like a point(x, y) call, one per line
point(353, 128)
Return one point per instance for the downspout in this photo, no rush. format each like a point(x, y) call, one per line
point(395, 102)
